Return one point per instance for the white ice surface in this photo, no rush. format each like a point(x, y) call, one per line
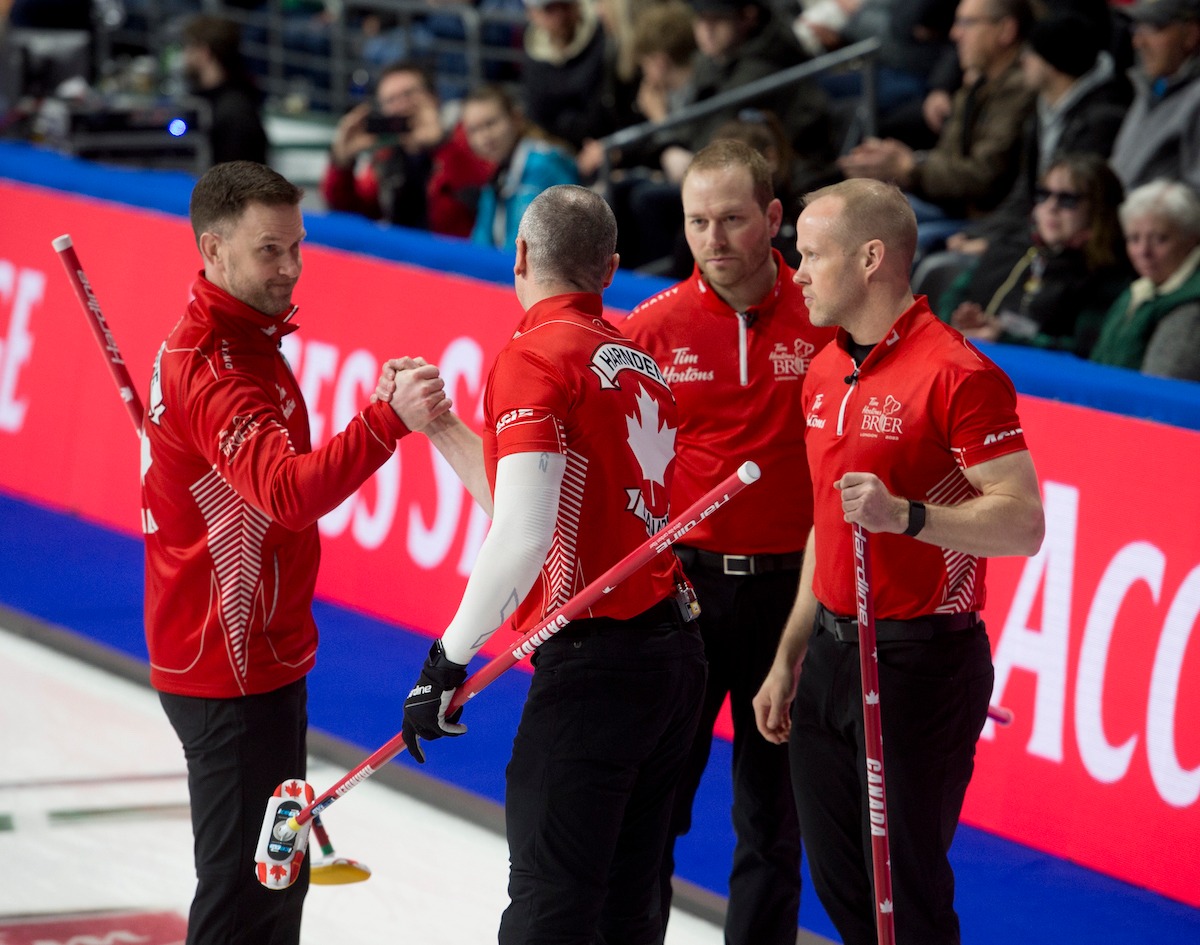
point(64, 721)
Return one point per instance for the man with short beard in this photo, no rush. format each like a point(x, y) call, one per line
point(734, 341)
point(231, 492)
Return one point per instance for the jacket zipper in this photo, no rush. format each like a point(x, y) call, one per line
point(851, 382)
point(743, 366)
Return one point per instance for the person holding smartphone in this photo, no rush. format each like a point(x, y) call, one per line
point(397, 159)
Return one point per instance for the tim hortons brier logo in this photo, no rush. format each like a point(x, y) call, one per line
point(881, 419)
point(791, 364)
point(240, 429)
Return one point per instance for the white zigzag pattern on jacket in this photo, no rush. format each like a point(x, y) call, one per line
point(235, 538)
point(560, 562)
point(961, 569)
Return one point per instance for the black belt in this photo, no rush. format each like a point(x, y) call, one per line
point(662, 617)
point(845, 629)
point(741, 565)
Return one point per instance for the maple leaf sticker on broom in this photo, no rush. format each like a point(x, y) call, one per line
point(652, 443)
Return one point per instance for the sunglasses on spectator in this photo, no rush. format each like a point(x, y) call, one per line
point(1066, 199)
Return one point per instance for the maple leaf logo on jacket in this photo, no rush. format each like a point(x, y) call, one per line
point(652, 443)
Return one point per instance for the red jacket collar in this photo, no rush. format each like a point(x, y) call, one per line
point(911, 321)
point(223, 309)
point(586, 306)
point(711, 302)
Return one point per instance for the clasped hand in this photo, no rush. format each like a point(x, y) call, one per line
point(414, 389)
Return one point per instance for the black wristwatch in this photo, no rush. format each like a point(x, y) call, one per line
point(916, 518)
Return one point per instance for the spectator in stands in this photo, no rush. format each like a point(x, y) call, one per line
point(1080, 105)
point(621, 74)
point(1055, 289)
point(913, 33)
point(738, 41)
point(663, 48)
point(423, 174)
point(974, 163)
point(621, 81)
point(563, 70)
point(526, 159)
point(644, 186)
point(918, 124)
point(215, 71)
point(741, 41)
point(1154, 326)
point(1161, 134)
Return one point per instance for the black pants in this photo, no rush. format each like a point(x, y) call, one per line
point(740, 621)
point(238, 751)
point(933, 699)
point(610, 715)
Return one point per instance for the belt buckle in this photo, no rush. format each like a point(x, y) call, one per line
point(730, 563)
point(845, 629)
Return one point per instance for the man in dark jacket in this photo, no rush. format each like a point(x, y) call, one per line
point(974, 163)
point(563, 70)
point(215, 72)
point(1159, 137)
point(741, 41)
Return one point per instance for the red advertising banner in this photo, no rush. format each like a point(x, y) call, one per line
point(1097, 652)
point(1095, 638)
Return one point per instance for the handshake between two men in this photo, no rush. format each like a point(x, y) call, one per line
point(416, 392)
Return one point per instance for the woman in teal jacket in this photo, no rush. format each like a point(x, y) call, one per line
point(1154, 326)
point(527, 162)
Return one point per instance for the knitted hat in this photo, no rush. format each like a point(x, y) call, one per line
point(1067, 41)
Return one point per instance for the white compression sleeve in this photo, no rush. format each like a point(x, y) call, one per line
point(525, 511)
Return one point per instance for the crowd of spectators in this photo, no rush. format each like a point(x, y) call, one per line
point(1008, 123)
point(1017, 127)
